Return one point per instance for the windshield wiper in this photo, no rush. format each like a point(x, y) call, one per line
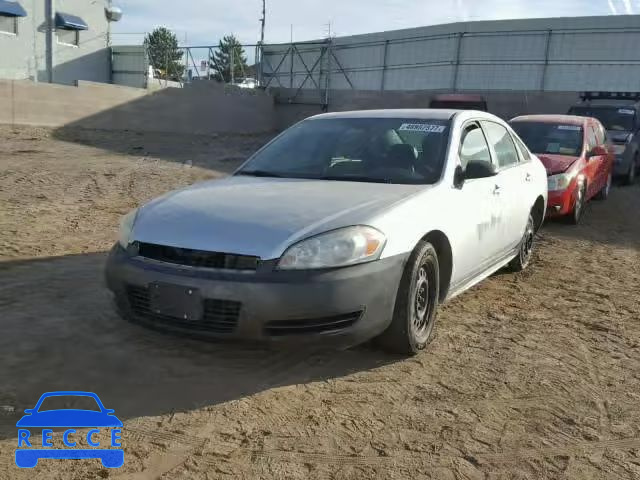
point(354, 178)
point(259, 173)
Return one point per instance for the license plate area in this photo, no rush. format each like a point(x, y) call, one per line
point(177, 301)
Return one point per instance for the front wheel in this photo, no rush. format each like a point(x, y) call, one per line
point(604, 193)
point(578, 210)
point(631, 176)
point(414, 314)
point(525, 250)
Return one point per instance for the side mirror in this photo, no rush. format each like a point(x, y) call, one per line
point(28, 411)
point(479, 169)
point(597, 151)
point(458, 177)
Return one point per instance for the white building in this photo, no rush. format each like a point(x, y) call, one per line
point(58, 41)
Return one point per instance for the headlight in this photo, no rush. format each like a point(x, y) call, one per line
point(126, 226)
point(560, 182)
point(619, 149)
point(339, 248)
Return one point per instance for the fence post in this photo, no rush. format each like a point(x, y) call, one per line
point(543, 79)
point(166, 69)
point(233, 66)
point(291, 68)
point(456, 66)
point(384, 65)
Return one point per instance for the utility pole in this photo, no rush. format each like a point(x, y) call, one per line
point(261, 47)
point(49, 12)
point(263, 20)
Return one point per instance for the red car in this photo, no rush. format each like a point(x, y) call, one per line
point(459, 101)
point(577, 155)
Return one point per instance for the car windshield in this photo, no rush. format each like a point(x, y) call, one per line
point(618, 119)
point(384, 150)
point(65, 402)
point(551, 138)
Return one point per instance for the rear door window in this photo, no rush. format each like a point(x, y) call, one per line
point(524, 151)
point(503, 146)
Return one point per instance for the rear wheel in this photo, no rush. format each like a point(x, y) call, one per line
point(525, 251)
point(414, 314)
point(604, 193)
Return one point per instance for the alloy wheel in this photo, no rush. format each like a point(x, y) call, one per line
point(607, 188)
point(577, 210)
point(526, 247)
point(423, 303)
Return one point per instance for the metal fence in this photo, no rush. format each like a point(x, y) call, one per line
point(558, 58)
point(200, 62)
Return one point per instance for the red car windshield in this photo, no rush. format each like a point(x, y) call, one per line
point(551, 138)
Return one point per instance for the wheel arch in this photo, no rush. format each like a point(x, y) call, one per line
point(537, 211)
point(441, 243)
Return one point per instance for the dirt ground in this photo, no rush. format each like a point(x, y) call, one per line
point(530, 376)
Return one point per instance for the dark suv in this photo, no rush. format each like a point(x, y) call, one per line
point(620, 115)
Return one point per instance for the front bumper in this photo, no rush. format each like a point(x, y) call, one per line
point(340, 307)
point(561, 202)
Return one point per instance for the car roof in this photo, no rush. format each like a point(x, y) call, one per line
point(417, 113)
point(565, 119)
point(604, 102)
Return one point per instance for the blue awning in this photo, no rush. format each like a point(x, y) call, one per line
point(11, 9)
point(66, 21)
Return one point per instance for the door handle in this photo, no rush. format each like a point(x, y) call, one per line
point(496, 190)
point(528, 177)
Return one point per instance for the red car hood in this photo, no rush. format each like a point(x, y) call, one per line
point(556, 163)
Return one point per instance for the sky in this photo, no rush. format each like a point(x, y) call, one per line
point(204, 22)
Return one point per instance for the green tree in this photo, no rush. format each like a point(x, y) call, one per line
point(164, 54)
point(228, 48)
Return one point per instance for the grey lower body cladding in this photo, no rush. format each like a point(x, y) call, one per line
point(337, 307)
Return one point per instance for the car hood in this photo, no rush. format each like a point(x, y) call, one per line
point(261, 216)
point(556, 163)
point(69, 418)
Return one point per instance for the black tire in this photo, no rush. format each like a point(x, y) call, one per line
point(525, 250)
point(630, 178)
point(603, 194)
point(576, 214)
point(414, 314)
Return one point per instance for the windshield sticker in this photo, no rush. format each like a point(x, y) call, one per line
point(422, 127)
point(567, 151)
point(574, 128)
point(626, 111)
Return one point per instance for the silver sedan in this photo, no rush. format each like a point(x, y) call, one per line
point(346, 227)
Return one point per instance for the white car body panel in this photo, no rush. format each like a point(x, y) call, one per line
point(481, 227)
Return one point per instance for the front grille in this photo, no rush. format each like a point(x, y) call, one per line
point(311, 325)
point(197, 258)
point(220, 316)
